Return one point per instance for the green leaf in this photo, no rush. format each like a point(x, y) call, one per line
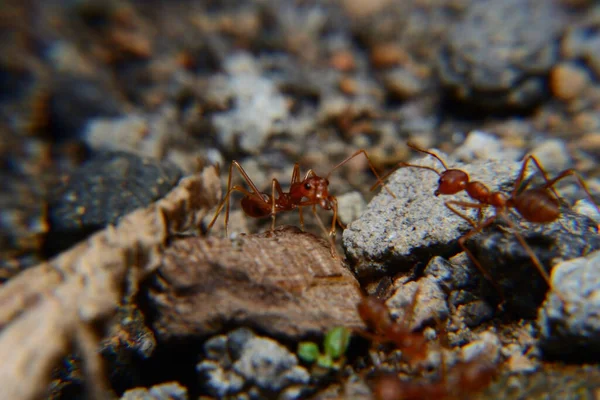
point(308, 351)
point(324, 361)
point(336, 342)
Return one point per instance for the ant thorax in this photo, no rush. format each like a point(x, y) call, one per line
point(479, 191)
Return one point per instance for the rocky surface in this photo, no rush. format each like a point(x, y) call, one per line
point(165, 391)
point(242, 362)
point(395, 233)
point(570, 327)
point(272, 83)
point(50, 308)
point(100, 192)
point(499, 55)
point(572, 236)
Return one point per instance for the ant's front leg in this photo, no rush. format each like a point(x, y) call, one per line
point(478, 206)
point(276, 187)
point(331, 233)
point(301, 218)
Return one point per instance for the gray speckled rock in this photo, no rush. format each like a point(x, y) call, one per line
point(571, 236)
point(394, 234)
point(572, 329)
point(450, 276)
point(486, 346)
point(164, 391)
point(269, 365)
point(499, 54)
point(430, 304)
point(475, 312)
point(582, 42)
point(101, 191)
point(257, 109)
point(259, 366)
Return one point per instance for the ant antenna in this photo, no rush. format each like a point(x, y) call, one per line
point(402, 164)
point(379, 179)
point(416, 148)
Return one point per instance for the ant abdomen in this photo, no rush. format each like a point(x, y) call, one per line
point(254, 209)
point(537, 205)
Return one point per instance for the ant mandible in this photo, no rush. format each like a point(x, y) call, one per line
point(311, 191)
point(538, 205)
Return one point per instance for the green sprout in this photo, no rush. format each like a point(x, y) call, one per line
point(335, 345)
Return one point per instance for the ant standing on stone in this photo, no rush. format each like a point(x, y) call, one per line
point(538, 205)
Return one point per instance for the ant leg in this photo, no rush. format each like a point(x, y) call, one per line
point(371, 166)
point(521, 176)
point(484, 272)
point(309, 174)
point(534, 258)
point(225, 202)
point(227, 198)
point(580, 181)
point(295, 174)
point(401, 164)
point(274, 183)
point(432, 154)
point(276, 187)
point(476, 229)
point(479, 206)
point(331, 234)
point(301, 218)
point(335, 216)
point(405, 164)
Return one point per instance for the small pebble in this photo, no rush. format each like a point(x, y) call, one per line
point(568, 81)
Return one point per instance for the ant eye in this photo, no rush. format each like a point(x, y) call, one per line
point(307, 186)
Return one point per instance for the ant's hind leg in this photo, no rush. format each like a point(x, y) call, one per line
point(580, 181)
point(225, 203)
point(521, 176)
point(534, 258)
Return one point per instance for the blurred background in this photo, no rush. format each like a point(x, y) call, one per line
point(105, 104)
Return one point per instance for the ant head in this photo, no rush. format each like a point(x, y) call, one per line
point(314, 188)
point(452, 181)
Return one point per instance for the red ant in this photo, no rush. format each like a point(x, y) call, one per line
point(312, 190)
point(376, 315)
point(538, 205)
point(463, 379)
